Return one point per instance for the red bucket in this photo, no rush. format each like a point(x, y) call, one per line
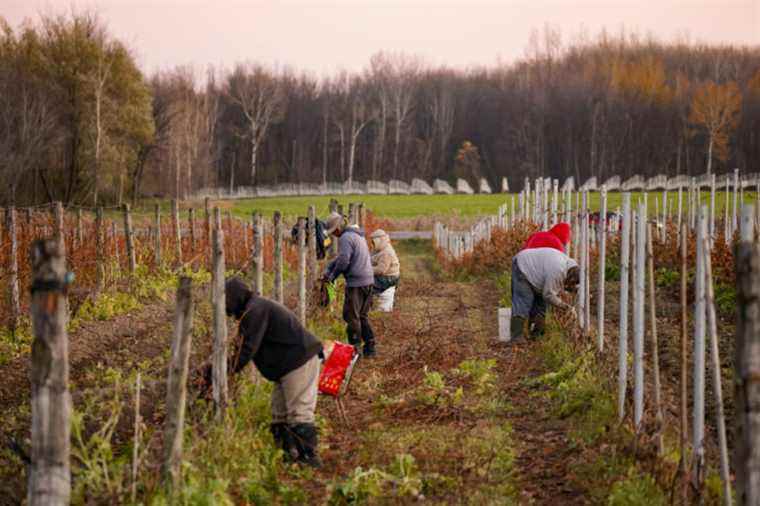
point(336, 372)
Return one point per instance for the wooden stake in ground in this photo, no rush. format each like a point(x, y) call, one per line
point(684, 412)
point(278, 288)
point(587, 261)
point(301, 271)
point(100, 246)
point(157, 237)
point(312, 244)
point(581, 310)
point(747, 365)
point(60, 232)
point(191, 225)
point(49, 472)
point(712, 209)
point(699, 348)
point(258, 255)
point(655, 346)
point(177, 231)
point(219, 360)
point(625, 247)
point(129, 236)
point(13, 291)
point(602, 266)
point(638, 316)
point(716, 379)
point(735, 217)
point(680, 206)
point(176, 385)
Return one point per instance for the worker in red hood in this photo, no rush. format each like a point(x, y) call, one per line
point(557, 237)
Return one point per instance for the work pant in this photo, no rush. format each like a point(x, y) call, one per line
point(526, 301)
point(356, 307)
point(294, 397)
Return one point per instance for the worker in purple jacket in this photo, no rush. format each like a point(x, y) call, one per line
point(353, 262)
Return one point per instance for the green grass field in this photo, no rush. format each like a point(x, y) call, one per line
point(416, 206)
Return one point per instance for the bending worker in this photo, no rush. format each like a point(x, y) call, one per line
point(386, 268)
point(538, 277)
point(287, 354)
point(353, 262)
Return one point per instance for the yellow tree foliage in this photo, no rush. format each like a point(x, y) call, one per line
point(715, 108)
point(643, 80)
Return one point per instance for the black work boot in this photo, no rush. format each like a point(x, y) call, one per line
point(356, 342)
point(517, 330)
point(305, 435)
point(369, 349)
point(283, 439)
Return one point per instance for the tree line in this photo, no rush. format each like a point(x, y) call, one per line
point(81, 123)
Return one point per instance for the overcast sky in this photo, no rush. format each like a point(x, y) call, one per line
point(323, 36)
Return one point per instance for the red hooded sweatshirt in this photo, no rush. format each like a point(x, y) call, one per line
point(556, 238)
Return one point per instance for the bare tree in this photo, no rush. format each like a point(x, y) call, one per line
point(259, 95)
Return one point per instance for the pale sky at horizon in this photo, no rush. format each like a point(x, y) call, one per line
point(324, 36)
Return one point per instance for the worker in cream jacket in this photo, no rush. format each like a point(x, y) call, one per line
point(386, 269)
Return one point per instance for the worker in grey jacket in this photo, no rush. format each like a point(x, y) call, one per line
point(353, 262)
point(539, 276)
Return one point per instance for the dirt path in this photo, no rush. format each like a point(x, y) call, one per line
point(438, 324)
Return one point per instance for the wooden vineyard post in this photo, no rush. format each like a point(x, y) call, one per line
point(60, 232)
point(258, 255)
point(638, 317)
point(177, 231)
point(625, 247)
point(157, 237)
point(312, 245)
point(191, 225)
point(680, 203)
point(747, 365)
point(699, 348)
point(683, 411)
point(79, 236)
point(207, 204)
point(712, 209)
point(278, 287)
point(581, 302)
point(301, 271)
point(602, 265)
point(129, 237)
point(176, 384)
point(735, 217)
point(555, 203)
point(351, 214)
point(727, 232)
point(13, 291)
point(115, 240)
point(219, 362)
point(716, 377)
point(333, 250)
point(361, 214)
point(100, 247)
point(49, 472)
point(655, 348)
point(587, 262)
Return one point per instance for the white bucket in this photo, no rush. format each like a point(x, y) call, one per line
point(505, 315)
point(385, 299)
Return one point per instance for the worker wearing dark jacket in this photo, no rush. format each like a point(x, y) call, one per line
point(354, 263)
point(287, 354)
